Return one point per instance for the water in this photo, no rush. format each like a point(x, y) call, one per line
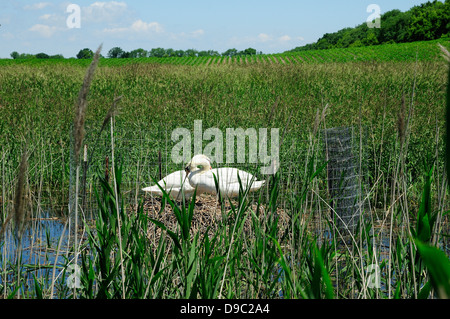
point(43, 236)
point(38, 251)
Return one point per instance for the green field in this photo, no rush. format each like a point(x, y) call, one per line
point(401, 52)
point(384, 92)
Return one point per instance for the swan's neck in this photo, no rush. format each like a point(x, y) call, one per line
point(202, 170)
point(204, 167)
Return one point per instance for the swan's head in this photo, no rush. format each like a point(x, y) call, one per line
point(198, 162)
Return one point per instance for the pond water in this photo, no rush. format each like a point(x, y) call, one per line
point(47, 242)
point(45, 246)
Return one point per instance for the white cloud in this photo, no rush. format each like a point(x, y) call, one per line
point(187, 35)
point(112, 11)
point(37, 6)
point(141, 26)
point(44, 30)
point(197, 33)
point(264, 37)
point(285, 38)
point(115, 30)
point(7, 36)
point(54, 19)
point(45, 16)
point(111, 6)
point(137, 27)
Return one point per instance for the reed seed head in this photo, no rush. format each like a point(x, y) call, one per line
point(445, 53)
point(316, 122)
point(111, 112)
point(81, 106)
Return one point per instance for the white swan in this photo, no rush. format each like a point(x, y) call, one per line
point(200, 175)
point(173, 184)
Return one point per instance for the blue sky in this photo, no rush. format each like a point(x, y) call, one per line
point(268, 26)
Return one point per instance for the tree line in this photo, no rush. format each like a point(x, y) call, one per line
point(428, 21)
point(117, 52)
point(17, 55)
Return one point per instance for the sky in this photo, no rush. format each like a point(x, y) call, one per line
point(53, 27)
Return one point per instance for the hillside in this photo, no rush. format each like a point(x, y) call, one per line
point(429, 21)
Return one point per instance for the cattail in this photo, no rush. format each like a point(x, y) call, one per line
point(80, 110)
point(19, 199)
point(401, 123)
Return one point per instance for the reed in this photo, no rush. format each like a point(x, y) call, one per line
point(78, 137)
point(445, 53)
point(401, 123)
point(447, 128)
point(19, 199)
point(81, 106)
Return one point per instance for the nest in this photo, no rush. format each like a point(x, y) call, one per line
point(208, 216)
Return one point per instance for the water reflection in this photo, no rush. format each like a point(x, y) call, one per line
point(45, 245)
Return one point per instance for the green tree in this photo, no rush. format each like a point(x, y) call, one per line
point(213, 53)
point(428, 21)
point(26, 56)
point(125, 54)
point(170, 52)
point(323, 44)
point(179, 53)
point(85, 54)
point(371, 38)
point(157, 52)
point(392, 22)
point(115, 53)
point(250, 51)
point(230, 52)
point(357, 43)
point(138, 53)
point(14, 55)
point(191, 52)
point(42, 56)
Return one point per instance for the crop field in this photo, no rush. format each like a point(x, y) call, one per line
point(281, 242)
point(402, 52)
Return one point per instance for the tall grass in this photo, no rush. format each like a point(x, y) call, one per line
point(280, 243)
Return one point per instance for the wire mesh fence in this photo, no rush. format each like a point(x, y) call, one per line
point(345, 175)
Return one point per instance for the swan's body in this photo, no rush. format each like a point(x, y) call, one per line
point(201, 175)
point(173, 184)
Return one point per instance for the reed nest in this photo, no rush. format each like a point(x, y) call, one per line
point(208, 216)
